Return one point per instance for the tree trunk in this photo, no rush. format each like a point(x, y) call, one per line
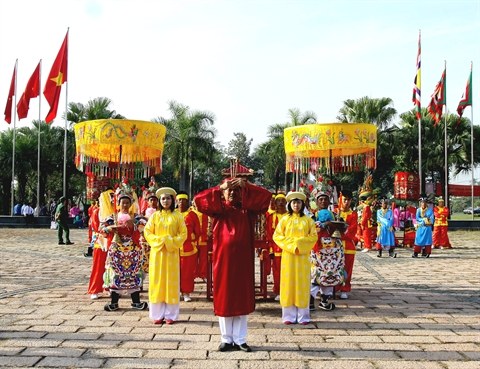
point(190, 185)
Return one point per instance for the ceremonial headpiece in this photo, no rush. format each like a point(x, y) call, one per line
point(280, 195)
point(124, 190)
point(166, 191)
point(292, 195)
point(366, 190)
point(152, 188)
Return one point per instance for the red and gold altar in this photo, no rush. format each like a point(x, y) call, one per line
point(406, 186)
point(116, 149)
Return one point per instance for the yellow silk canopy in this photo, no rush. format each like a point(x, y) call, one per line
point(117, 148)
point(339, 147)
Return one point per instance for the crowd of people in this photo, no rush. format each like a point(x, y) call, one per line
point(311, 244)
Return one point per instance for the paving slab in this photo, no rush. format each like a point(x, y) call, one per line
point(402, 313)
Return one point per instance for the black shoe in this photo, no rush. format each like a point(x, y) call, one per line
point(426, 255)
point(329, 306)
point(69, 243)
point(244, 347)
point(379, 254)
point(312, 303)
point(392, 254)
point(224, 346)
point(61, 243)
point(111, 307)
point(140, 305)
point(415, 255)
point(87, 255)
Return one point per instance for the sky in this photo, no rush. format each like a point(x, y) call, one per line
point(246, 61)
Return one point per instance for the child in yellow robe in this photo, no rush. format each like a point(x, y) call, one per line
point(165, 232)
point(295, 235)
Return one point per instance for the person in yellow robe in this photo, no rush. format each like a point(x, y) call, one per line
point(295, 235)
point(165, 232)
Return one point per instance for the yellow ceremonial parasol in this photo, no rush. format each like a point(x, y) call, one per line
point(336, 147)
point(117, 148)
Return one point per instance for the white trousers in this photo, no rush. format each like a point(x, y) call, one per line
point(164, 311)
point(295, 315)
point(233, 329)
point(323, 290)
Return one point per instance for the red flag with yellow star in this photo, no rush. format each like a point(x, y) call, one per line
point(55, 80)
point(31, 91)
point(11, 93)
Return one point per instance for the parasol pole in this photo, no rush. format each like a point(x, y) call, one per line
point(447, 202)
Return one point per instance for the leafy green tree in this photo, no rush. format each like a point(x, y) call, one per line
point(433, 146)
point(239, 148)
point(271, 154)
point(6, 148)
point(189, 140)
point(26, 163)
point(381, 113)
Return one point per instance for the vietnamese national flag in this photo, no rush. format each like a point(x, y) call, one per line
point(31, 91)
point(55, 80)
point(11, 93)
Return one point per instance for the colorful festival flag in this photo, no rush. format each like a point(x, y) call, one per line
point(31, 91)
point(435, 108)
point(466, 97)
point(416, 98)
point(11, 93)
point(55, 80)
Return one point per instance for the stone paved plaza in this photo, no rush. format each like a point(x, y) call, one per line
point(402, 313)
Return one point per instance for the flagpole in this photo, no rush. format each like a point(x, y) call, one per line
point(447, 202)
point(471, 140)
point(14, 139)
point(417, 97)
point(420, 175)
point(65, 135)
point(38, 141)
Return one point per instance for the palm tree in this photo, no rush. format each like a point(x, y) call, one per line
point(271, 154)
point(190, 136)
point(97, 108)
point(6, 146)
point(381, 113)
point(299, 119)
point(368, 110)
point(433, 145)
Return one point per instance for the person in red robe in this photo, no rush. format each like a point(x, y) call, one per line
point(366, 221)
point(95, 285)
point(272, 221)
point(233, 206)
point(408, 217)
point(203, 245)
point(188, 252)
point(440, 227)
point(91, 209)
point(349, 239)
